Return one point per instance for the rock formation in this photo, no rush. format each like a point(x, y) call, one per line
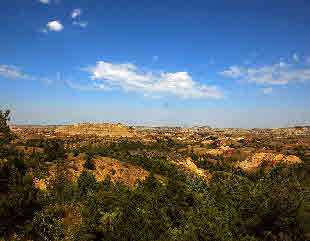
point(191, 168)
point(254, 162)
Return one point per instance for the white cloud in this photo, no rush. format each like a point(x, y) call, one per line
point(44, 1)
point(13, 72)
point(76, 12)
point(55, 26)
point(277, 74)
point(128, 77)
point(296, 57)
point(267, 90)
point(81, 24)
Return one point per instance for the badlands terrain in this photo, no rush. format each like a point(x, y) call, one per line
point(116, 182)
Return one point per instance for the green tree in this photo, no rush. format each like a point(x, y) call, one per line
point(54, 150)
point(18, 200)
point(5, 132)
point(89, 163)
point(86, 182)
point(48, 223)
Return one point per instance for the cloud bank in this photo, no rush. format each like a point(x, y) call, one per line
point(128, 77)
point(277, 74)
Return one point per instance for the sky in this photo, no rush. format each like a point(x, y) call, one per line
point(240, 64)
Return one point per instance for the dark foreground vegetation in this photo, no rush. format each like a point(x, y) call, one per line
point(273, 205)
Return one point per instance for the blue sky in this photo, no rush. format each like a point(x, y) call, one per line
point(219, 63)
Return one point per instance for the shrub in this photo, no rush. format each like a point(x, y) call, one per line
point(86, 181)
point(5, 133)
point(48, 223)
point(89, 164)
point(54, 149)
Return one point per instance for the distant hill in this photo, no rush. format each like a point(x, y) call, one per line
point(96, 129)
point(301, 127)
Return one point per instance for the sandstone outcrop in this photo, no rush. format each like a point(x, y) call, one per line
point(191, 168)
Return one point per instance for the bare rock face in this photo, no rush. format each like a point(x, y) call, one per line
point(119, 171)
point(113, 130)
point(191, 168)
point(270, 159)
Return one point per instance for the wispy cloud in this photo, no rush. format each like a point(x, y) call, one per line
point(296, 57)
point(43, 30)
point(76, 12)
point(128, 77)
point(277, 74)
point(44, 1)
point(74, 15)
point(93, 86)
point(267, 90)
point(81, 24)
point(13, 72)
point(55, 26)
point(152, 96)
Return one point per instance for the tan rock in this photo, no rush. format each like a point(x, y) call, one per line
point(207, 142)
point(215, 152)
point(191, 168)
point(256, 161)
point(226, 148)
point(279, 157)
point(291, 159)
point(200, 150)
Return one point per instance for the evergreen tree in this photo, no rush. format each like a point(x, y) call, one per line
point(5, 132)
